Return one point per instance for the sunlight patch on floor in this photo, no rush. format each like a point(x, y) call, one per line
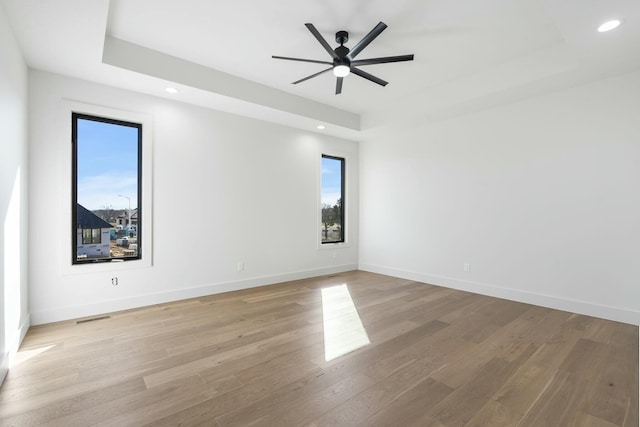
point(24, 355)
point(343, 329)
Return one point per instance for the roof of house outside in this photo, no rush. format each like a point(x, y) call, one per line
point(87, 219)
point(134, 214)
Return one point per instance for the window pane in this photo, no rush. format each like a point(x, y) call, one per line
point(332, 199)
point(86, 236)
point(106, 188)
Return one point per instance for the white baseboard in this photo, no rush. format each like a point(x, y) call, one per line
point(581, 307)
point(73, 312)
point(24, 328)
point(13, 344)
point(4, 366)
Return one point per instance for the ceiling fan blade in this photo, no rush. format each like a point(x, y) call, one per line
point(339, 85)
point(322, 41)
point(382, 60)
point(311, 76)
point(366, 40)
point(368, 76)
point(302, 60)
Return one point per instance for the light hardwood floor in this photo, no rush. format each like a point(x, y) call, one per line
point(437, 357)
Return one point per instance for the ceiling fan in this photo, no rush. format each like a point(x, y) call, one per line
point(344, 61)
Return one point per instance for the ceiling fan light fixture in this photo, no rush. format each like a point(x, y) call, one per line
point(341, 70)
point(609, 25)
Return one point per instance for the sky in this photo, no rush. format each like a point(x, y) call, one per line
point(331, 178)
point(107, 165)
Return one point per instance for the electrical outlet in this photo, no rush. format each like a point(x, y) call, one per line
point(114, 281)
point(240, 266)
point(467, 267)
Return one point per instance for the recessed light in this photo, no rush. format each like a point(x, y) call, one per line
point(171, 90)
point(609, 25)
point(321, 127)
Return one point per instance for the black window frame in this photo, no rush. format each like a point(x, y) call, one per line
point(343, 227)
point(74, 187)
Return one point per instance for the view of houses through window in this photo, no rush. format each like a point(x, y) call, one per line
point(332, 199)
point(106, 189)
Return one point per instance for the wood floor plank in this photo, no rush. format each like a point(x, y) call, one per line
point(514, 399)
point(80, 402)
point(461, 405)
point(409, 406)
point(436, 357)
point(607, 397)
point(559, 402)
point(361, 406)
point(582, 419)
point(313, 405)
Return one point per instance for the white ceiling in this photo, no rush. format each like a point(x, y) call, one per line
point(469, 54)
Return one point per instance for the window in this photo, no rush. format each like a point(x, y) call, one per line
point(106, 189)
point(332, 199)
point(91, 235)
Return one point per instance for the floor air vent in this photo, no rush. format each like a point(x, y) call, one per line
point(92, 319)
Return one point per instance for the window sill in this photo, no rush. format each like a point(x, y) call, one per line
point(333, 246)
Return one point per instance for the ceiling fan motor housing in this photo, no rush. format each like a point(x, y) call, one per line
point(342, 59)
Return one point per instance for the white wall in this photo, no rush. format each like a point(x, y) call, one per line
point(225, 189)
point(14, 318)
point(540, 197)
